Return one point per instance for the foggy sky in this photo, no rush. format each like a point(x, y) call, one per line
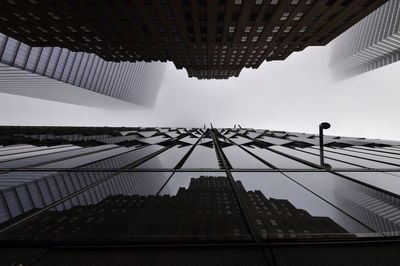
point(292, 95)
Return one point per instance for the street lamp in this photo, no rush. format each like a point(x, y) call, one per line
point(322, 126)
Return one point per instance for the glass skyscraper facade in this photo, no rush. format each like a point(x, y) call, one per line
point(136, 83)
point(194, 186)
point(370, 44)
point(197, 184)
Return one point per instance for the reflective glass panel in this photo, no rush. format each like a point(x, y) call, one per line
point(192, 206)
point(240, 140)
point(124, 159)
point(361, 202)
point(44, 157)
point(332, 159)
point(280, 208)
point(42, 188)
point(275, 141)
point(189, 139)
point(378, 179)
point(313, 158)
point(167, 159)
point(276, 159)
point(238, 158)
point(202, 157)
point(369, 156)
point(154, 140)
point(4, 155)
point(35, 157)
point(375, 151)
point(85, 159)
point(339, 154)
point(15, 147)
point(105, 211)
point(393, 148)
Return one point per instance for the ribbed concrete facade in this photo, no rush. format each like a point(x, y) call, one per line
point(136, 83)
point(372, 43)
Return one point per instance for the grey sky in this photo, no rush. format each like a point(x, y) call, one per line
point(292, 95)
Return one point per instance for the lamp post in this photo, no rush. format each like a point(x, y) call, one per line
point(322, 126)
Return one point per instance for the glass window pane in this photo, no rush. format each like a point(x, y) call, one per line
point(15, 147)
point(332, 159)
point(361, 202)
point(381, 180)
point(105, 211)
point(5, 154)
point(274, 141)
point(33, 157)
point(154, 140)
point(276, 159)
point(126, 158)
point(240, 140)
point(282, 208)
point(167, 159)
point(376, 151)
point(202, 157)
point(238, 158)
point(189, 139)
point(192, 206)
point(312, 158)
point(383, 160)
point(85, 159)
point(43, 156)
point(339, 154)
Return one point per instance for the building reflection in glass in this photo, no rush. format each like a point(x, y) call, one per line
point(191, 206)
point(278, 186)
point(378, 211)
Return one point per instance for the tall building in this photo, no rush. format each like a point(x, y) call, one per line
point(210, 39)
point(59, 74)
point(157, 187)
point(371, 43)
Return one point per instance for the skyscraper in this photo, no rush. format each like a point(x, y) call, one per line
point(210, 39)
point(65, 187)
point(155, 187)
point(60, 74)
point(371, 43)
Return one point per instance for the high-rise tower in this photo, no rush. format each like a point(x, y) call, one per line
point(210, 39)
point(371, 43)
point(59, 74)
point(81, 193)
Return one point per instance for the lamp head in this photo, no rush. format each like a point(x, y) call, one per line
point(324, 125)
